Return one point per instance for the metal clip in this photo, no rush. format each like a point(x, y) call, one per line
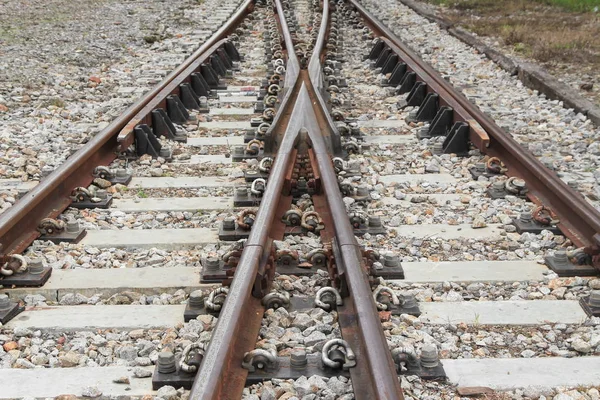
point(381, 291)
point(337, 354)
point(187, 363)
point(216, 298)
point(327, 302)
point(259, 359)
point(275, 300)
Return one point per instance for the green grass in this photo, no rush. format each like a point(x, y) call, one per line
point(576, 5)
point(570, 5)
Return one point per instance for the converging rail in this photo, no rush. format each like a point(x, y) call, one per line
point(311, 195)
point(222, 375)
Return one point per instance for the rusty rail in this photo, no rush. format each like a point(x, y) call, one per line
point(18, 225)
point(579, 220)
point(221, 375)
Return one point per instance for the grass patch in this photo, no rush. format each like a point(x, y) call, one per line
point(569, 5)
point(546, 30)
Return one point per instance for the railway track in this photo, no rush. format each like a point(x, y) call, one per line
point(303, 208)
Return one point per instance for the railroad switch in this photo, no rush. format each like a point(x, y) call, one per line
point(17, 272)
point(8, 309)
point(527, 222)
point(561, 264)
point(591, 304)
point(114, 176)
point(58, 231)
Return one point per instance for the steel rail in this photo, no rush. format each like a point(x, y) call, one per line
point(18, 225)
point(579, 220)
point(375, 375)
point(221, 376)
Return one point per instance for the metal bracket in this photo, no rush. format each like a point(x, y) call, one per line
point(591, 304)
point(526, 224)
point(8, 309)
point(561, 264)
point(147, 143)
point(34, 275)
point(72, 232)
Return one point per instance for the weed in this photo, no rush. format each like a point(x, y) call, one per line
point(142, 194)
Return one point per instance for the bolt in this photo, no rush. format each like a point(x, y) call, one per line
point(374, 222)
point(438, 148)
point(229, 224)
point(498, 186)
point(410, 301)
point(166, 362)
point(211, 264)
point(526, 216)
point(4, 302)
point(594, 299)
point(72, 226)
point(573, 185)
point(101, 194)
point(391, 260)
point(429, 356)
point(164, 152)
point(480, 167)
point(241, 191)
point(196, 299)
point(560, 257)
point(298, 359)
point(35, 266)
point(362, 190)
point(121, 173)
